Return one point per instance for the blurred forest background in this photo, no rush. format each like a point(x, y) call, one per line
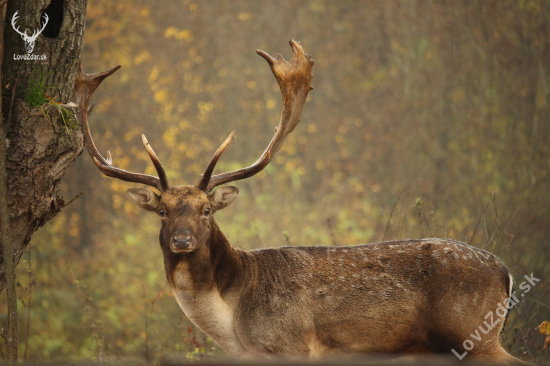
point(428, 119)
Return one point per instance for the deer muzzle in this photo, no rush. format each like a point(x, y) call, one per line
point(182, 240)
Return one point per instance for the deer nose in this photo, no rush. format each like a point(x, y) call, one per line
point(182, 239)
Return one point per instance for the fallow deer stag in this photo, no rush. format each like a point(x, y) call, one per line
point(388, 298)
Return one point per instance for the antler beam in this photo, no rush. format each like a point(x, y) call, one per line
point(84, 87)
point(294, 79)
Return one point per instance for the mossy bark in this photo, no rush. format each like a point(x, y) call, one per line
point(40, 150)
point(60, 43)
point(40, 145)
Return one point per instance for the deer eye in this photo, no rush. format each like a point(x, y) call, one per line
point(207, 211)
point(162, 213)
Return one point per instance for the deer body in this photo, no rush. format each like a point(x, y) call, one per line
point(392, 297)
point(395, 297)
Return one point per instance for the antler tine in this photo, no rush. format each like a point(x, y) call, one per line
point(84, 87)
point(156, 162)
point(90, 109)
point(205, 179)
point(294, 79)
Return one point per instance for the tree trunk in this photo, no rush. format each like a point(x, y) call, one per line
point(59, 43)
point(41, 143)
point(7, 248)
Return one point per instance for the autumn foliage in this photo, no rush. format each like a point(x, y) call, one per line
point(427, 119)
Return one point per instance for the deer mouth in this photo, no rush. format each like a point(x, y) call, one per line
point(188, 250)
point(182, 241)
point(179, 248)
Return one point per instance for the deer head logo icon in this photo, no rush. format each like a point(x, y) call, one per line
point(29, 40)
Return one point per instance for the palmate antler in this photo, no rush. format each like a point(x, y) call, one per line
point(84, 87)
point(294, 79)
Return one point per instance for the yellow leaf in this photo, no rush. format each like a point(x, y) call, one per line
point(244, 16)
point(169, 32)
point(544, 328)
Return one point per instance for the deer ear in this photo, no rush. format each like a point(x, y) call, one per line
point(223, 197)
point(145, 198)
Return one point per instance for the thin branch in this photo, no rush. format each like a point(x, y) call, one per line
point(392, 210)
point(74, 198)
point(477, 225)
point(538, 302)
point(31, 284)
point(146, 318)
point(3, 336)
point(456, 237)
point(330, 225)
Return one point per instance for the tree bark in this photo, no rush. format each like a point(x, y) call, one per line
point(60, 43)
point(7, 247)
point(40, 143)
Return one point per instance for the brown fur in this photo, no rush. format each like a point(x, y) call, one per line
point(395, 297)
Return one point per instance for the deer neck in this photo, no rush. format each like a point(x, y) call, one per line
point(215, 266)
point(206, 283)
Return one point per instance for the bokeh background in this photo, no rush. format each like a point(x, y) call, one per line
point(428, 119)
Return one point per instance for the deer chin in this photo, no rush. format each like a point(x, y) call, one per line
point(189, 249)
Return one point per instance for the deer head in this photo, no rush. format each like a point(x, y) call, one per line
point(29, 40)
point(186, 212)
